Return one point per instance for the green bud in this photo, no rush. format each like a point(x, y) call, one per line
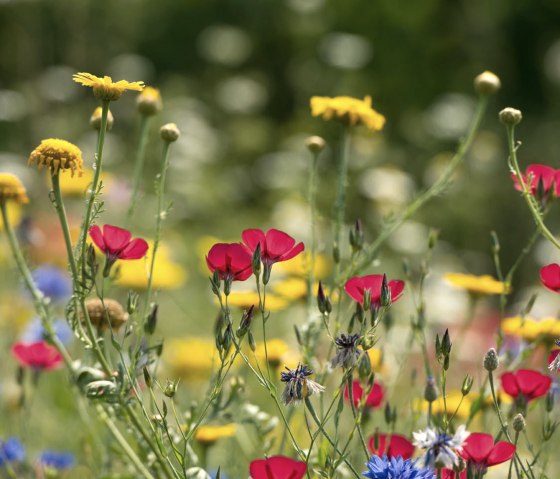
point(336, 253)
point(252, 343)
point(357, 236)
point(385, 293)
point(549, 401)
point(487, 83)
point(151, 321)
point(170, 388)
point(256, 261)
point(467, 385)
point(147, 377)
point(431, 392)
point(519, 423)
point(491, 361)
point(510, 116)
point(367, 300)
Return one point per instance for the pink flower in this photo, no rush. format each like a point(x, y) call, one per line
point(116, 243)
point(525, 384)
point(550, 277)
point(231, 260)
point(374, 399)
point(38, 355)
point(277, 467)
point(397, 446)
point(481, 452)
point(275, 245)
point(356, 286)
point(543, 174)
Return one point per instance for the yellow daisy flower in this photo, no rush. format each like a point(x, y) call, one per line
point(300, 265)
point(167, 274)
point(351, 111)
point(79, 186)
point(57, 155)
point(531, 329)
point(246, 299)
point(104, 89)
point(12, 189)
point(453, 401)
point(190, 358)
point(477, 284)
point(276, 349)
point(208, 435)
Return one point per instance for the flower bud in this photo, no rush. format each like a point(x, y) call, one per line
point(357, 236)
point(315, 144)
point(170, 388)
point(431, 392)
point(256, 260)
point(169, 132)
point(519, 423)
point(487, 83)
point(385, 293)
point(321, 299)
point(491, 361)
point(467, 385)
point(102, 389)
point(151, 320)
point(149, 102)
point(510, 116)
point(367, 300)
point(245, 322)
point(95, 119)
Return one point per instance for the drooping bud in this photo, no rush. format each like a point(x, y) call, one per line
point(510, 116)
point(256, 261)
point(321, 299)
point(519, 423)
point(491, 361)
point(487, 83)
point(431, 392)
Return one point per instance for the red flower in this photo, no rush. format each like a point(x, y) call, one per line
point(479, 449)
point(277, 467)
point(38, 355)
point(526, 384)
point(275, 245)
point(231, 260)
point(543, 174)
point(116, 243)
point(374, 399)
point(398, 446)
point(450, 474)
point(550, 277)
point(356, 286)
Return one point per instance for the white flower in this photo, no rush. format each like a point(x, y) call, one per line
point(441, 449)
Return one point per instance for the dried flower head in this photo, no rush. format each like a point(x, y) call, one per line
point(113, 313)
point(104, 89)
point(95, 119)
point(298, 386)
point(149, 101)
point(57, 155)
point(348, 352)
point(351, 111)
point(11, 188)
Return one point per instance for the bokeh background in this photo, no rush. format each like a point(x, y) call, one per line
point(236, 76)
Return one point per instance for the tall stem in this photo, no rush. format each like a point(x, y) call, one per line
point(312, 200)
point(340, 202)
point(138, 166)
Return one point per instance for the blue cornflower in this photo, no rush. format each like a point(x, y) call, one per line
point(11, 450)
point(396, 468)
point(56, 460)
point(53, 282)
point(442, 450)
point(34, 331)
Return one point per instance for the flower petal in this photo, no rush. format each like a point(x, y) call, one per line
point(550, 277)
point(477, 447)
point(397, 287)
point(297, 249)
point(252, 237)
point(277, 467)
point(97, 237)
point(532, 383)
point(136, 249)
point(115, 238)
point(278, 243)
point(502, 452)
point(509, 384)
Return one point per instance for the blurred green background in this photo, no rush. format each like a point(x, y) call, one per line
point(236, 76)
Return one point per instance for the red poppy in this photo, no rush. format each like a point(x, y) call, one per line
point(543, 174)
point(398, 446)
point(479, 449)
point(275, 245)
point(38, 355)
point(550, 277)
point(231, 260)
point(356, 286)
point(116, 243)
point(374, 399)
point(525, 383)
point(277, 467)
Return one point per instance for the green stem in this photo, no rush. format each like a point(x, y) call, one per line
point(340, 202)
point(357, 417)
point(138, 166)
point(312, 200)
point(371, 251)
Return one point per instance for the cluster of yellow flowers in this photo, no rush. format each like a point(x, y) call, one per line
point(477, 284)
point(530, 329)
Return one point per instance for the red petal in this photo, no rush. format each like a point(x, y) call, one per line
point(382, 449)
point(355, 289)
point(278, 243)
point(477, 447)
point(553, 355)
point(550, 277)
point(115, 238)
point(38, 355)
point(450, 474)
point(357, 392)
point(397, 287)
point(502, 452)
point(532, 383)
point(136, 249)
point(97, 237)
point(375, 397)
point(238, 258)
point(509, 384)
point(216, 258)
point(537, 172)
point(277, 467)
point(252, 237)
point(297, 249)
point(373, 283)
point(400, 446)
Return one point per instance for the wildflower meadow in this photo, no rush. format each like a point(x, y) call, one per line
point(334, 310)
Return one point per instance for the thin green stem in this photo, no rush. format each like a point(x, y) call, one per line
point(340, 202)
point(138, 166)
point(312, 200)
point(357, 417)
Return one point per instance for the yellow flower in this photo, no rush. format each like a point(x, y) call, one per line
point(57, 155)
point(78, 186)
point(276, 349)
point(376, 359)
point(167, 274)
point(104, 89)
point(149, 101)
point(477, 284)
point(349, 110)
point(290, 288)
point(192, 358)
point(531, 329)
point(300, 265)
point(453, 402)
point(246, 299)
point(12, 189)
point(208, 435)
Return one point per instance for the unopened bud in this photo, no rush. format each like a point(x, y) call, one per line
point(487, 83)
point(510, 116)
point(95, 119)
point(256, 260)
point(433, 238)
point(431, 392)
point(519, 423)
point(367, 300)
point(357, 236)
point(170, 388)
point(151, 320)
point(491, 361)
point(169, 132)
point(245, 322)
point(252, 343)
point(467, 385)
point(367, 342)
point(149, 101)
point(321, 299)
point(385, 293)
point(315, 144)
